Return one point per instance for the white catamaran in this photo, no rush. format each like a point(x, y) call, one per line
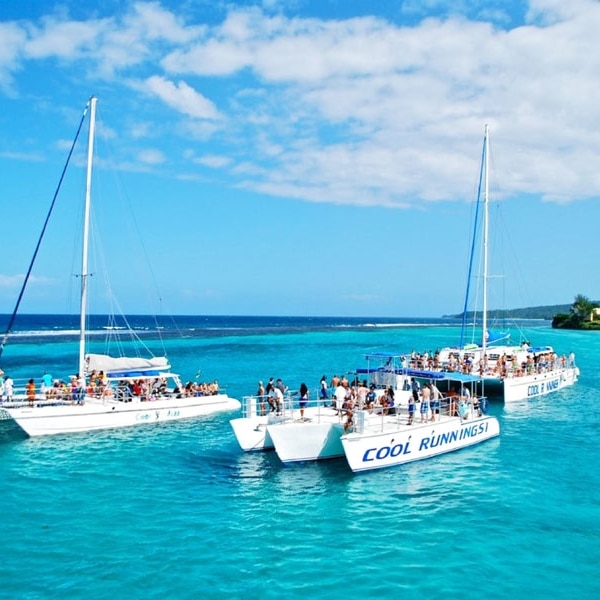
point(109, 392)
point(511, 372)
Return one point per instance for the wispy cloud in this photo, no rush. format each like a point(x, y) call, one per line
point(390, 110)
point(181, 97)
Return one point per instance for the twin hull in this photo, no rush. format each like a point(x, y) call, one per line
point(286, 432)
point(251, 433)
point(96, 415)
point(300, 441)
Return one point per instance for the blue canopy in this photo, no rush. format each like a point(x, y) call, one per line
point(421, 374)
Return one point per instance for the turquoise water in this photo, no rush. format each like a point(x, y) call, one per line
point(178, 511)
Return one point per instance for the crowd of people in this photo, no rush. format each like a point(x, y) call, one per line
point(97, 385)
point(272, 396)
point(425, 401)
point(501, 365)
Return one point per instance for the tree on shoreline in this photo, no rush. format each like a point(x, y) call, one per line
point(580, 316)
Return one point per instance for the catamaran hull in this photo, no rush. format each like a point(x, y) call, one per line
point(95, 415)
point(251, 433)
point(515, 389)
point(531, 386)
point(409, 443)
point(304, 441)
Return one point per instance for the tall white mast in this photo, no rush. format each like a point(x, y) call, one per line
point(485, 236)
point(86, 230)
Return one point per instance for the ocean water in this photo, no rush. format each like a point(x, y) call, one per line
point(178, 511)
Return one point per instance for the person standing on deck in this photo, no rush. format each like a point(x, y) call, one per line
point(425, 398)
point(335, 381)
point(411, 409)
point(339, 397)
point(414, 384)
point(30, 391)
point(436, 396)
point(303, 399)
point(324, 392)
point(8, 388)
point(46, 383)
point(260, 394)
point(280, 385)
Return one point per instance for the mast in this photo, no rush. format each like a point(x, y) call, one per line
point(485, 237)
point(13, 316)
point(86, 230)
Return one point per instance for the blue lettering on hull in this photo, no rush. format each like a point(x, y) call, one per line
point(537, 389)
point(385, 451)
point(427, 443)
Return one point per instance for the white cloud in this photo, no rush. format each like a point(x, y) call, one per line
point(16, 281)
point(63, 40)
point(181, 97)
point(13, 38)
point(151, 157)
point(155, 23)
point(11, 281)
point(213, 161)
point(392, 112)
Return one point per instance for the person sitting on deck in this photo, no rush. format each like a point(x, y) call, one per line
point(453, 403)
point(270, 393)
point(278, 399)
point(387, 402)
point(348, 425)
point(370, 398)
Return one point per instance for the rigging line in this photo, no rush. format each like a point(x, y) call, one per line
point(11, 321)
point(469, 275)
point(136, 229)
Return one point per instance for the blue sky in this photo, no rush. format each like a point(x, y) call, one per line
point(302, 157)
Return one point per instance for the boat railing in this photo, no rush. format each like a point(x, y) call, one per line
point(61, 392)
point(18, 394)
point(257, 406)
point(380, 419)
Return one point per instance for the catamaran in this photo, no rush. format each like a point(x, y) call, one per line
point(508, 371)
point(109, 392)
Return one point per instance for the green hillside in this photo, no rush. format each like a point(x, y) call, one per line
point(532, 312)
point(582, 314)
